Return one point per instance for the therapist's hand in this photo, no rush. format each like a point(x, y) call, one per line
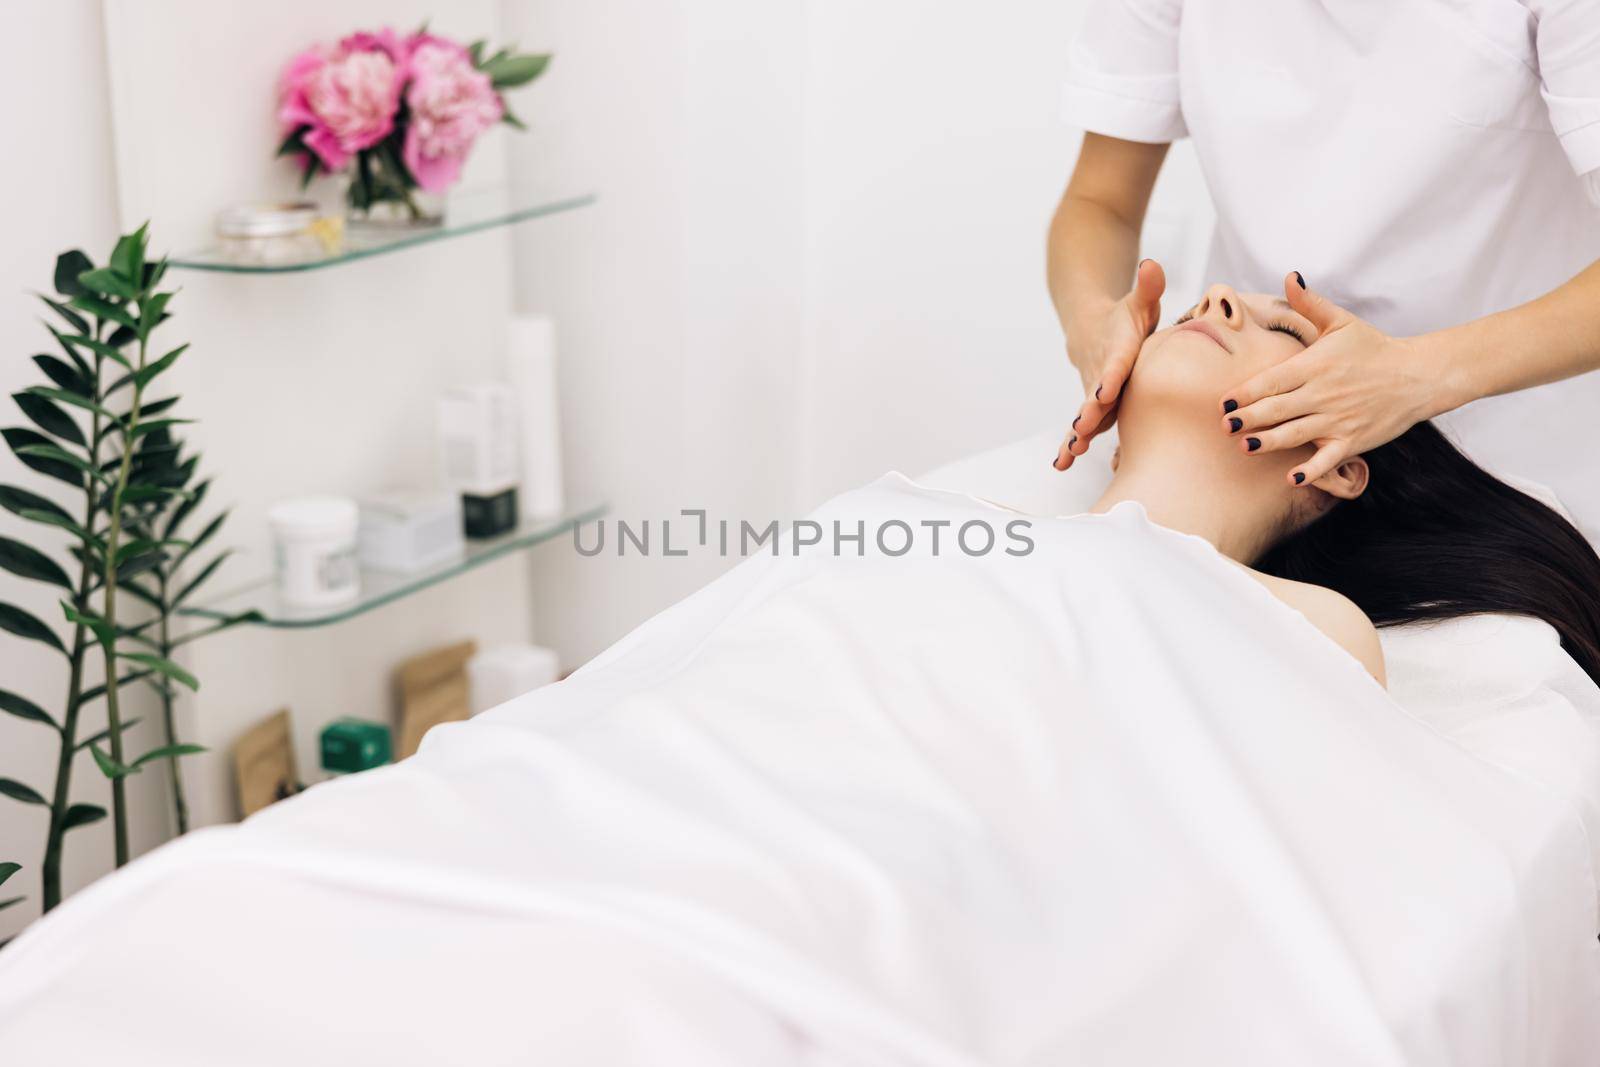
point(1112, 344)
point(1353, 389)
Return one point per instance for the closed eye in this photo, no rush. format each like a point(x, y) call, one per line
point(1187, 315)
point(1284, 327)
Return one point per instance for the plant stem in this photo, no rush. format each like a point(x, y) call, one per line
point(55, 837)
point(119, 808)
point(180, 806)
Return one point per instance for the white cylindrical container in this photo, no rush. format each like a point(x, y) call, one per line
point(531, 370)
point(314, 543)
point(501, 672)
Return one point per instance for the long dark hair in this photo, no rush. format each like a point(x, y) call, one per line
point(1436, 536)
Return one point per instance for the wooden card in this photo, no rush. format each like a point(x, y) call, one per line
point(433, 689)
point(263, 763)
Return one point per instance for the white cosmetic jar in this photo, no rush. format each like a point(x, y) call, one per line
point(314, 542)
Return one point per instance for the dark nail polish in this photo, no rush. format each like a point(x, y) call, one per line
point(1142, 262)
point(1227, 310)
point(1097, 392)
point(1055, 459)
point(1073, 441)
point(1299, 477)
point(1229, 407)
point(1300, 278)
point(1252, 443)
point(1235, 424)
point(1075, 419)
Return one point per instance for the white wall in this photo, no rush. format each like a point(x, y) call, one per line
point(818, 255)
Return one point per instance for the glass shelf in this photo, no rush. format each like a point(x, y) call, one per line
point(463, 215)
point(378, 588)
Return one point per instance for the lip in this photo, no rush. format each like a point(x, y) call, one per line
point(1203, 327)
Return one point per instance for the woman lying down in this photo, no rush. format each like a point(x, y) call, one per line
point(1131, 793)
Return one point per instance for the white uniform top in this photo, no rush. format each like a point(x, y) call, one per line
point(1422, 162)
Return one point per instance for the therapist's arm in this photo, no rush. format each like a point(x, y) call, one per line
point(1093, 245)
point(1356, 387)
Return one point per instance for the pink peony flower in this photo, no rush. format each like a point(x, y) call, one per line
point(348, 96)
point(452, 103)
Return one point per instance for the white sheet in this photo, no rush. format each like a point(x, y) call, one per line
point(1107, 803)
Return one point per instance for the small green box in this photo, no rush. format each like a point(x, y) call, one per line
point(350, 745)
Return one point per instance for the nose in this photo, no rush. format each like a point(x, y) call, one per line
point(1223, 305)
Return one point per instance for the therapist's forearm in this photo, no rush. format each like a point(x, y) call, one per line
point(1091, 256)
point(1546, 340)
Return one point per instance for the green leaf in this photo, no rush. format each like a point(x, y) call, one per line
point(61, 519)
point(163, 666)
point(511, 71)
point(111, 352)
point(69, 266)
point(139, 494)
point(139, 565)
point(82, 815)
point(108, 766)
point(151, 408)
point(153, 310)
point(127, 724)
point(58, 454)
point(23, 708)
point(200, 579)
point(206, 533)
point(511, 120)
point(144, 376)
point(475, 52)
point(23, 624)
point(127, 259)
point(185, 509)
point(25, 561)
point(155, 424)
point(20, 501)
point(4, 904)
point(104, 310)
point(65, 375)
point(17, 791)
point(153, 273)
point(226, 624)
point(20, 438)
point(50, 418)
point(103, 631)
point(167, 752)
point(72, 318)
point(70, 398)
point(109, 283)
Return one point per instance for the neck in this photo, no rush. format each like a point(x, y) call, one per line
point(1201, 491)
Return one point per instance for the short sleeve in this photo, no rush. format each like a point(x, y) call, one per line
point(1568, 43)
point(1122, 72)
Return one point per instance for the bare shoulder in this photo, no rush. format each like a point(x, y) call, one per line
point(1335, 615)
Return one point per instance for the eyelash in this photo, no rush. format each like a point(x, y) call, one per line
point(1281, 327)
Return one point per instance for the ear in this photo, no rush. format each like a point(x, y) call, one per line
point(1346, 481)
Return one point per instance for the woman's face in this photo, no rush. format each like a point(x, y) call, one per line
point(1218, 344)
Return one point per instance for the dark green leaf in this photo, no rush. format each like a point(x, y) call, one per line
point(109, 283)
point(69, 265)
point(25, 561)
point(295, 142)
point(156, 424)
point(81, 815)
point(65, 375)
point(105, 735)
point(153, 273)
point(23, 708)
point(139, 565)
point(18, 501)
point(105, 310)
point(200, 579)
point(163, 666)
point(141, 593)
point(60, 518)
point(110, 351)
point(17, 791)
point(151, 408)
point(49, 417)
point(206, 533)
point(70, 398)
point(108, 766)
point(7, 870)
point(4, 904)
point(23, 624)
point(20, 438)
point(167, 752)
point(511, 120)
point(512, 71)
point(475, 52)
point(55, 453)
point(153, 310)
point(72, 318)
point(139, 494)
point(185, 509)
point(127, 259)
